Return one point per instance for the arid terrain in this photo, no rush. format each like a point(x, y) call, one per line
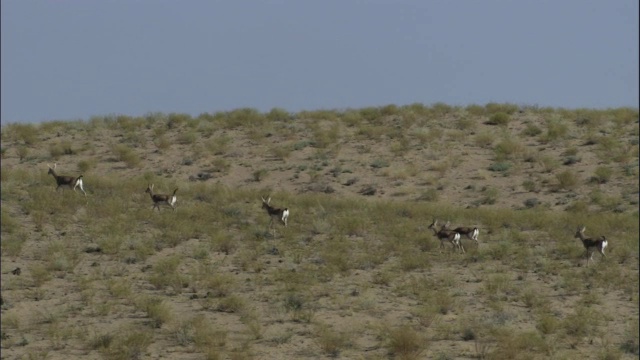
point(357, 273)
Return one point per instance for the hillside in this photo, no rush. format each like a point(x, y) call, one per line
point(357, 273)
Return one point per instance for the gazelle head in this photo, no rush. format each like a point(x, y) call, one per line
point(52, 169)
point(433, 224)
point(580, 232)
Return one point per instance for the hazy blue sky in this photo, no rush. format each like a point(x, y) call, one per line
point(72, 59)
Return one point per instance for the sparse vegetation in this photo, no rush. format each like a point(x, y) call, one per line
point(105, 276)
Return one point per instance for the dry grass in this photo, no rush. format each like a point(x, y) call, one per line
point(356, 271)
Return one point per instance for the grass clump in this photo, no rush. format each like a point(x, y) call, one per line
point(500, 166)
point(127, 344)
point(404, 342)
point(602, 175)
point(567, 180)
point(500, 119)
point(331, 341)
point(127, 155)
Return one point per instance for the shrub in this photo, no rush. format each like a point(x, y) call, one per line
point(260, 174)
point(567, 180)
point(26, 133)
point(531, 186)
point(572, 159)
point(176, 120)
point(475, 110)
point(484, 139)
point(55, 151)
point(531, 130)
point(86, 165)
point(549, 163)
point(23, 152)
point(507, 149)
point(631, 345)
point(127, 155)
point(556, 130)
point(500, 119)
point(466, 124)
point(187, 138)
point(500, 166)
point(330, 341)
point(495, 108)
point(405, 342)
point(531, 203)
point(278, 114)
point(429, 195)
point(379, 163)
point(490, 196)
point(128, 344)
point(602, 174)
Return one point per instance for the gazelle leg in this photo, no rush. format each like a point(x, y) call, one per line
point(79, 184)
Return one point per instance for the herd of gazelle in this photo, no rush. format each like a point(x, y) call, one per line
point(453, 236)
point(280, 215)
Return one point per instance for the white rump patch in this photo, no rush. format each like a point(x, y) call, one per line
point(173, 200)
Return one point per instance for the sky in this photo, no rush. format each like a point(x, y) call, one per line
point(74, 59)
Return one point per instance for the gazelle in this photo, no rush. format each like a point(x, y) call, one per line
point(66, 181)
point(590, 244)
point(470, 233)
point(446, 235)
point(281, 215)
point(161, 199)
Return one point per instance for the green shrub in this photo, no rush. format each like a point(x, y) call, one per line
point(572, 159)
point(330, 340)
point(429, 195)
point(602, 174)
point(23, 152)
point(531, 203)
point(494, 108)
point(27, 133)
point(532, 130)
point(556, 130)
point(508, 148)
point(405, 343)
point(128, 344)
point(187, 138)
point(176, 120)
point(484, 139)
point(260, 174)
point(500, 166)
point(278, 114)
point(490, 196)
point(379, 163)
point(55, 151)
point(475, 110)
point(567, 180)
point(500, 119)
point(127, 155)
point(548, 163)
point(466, 124)
point(531, 186)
